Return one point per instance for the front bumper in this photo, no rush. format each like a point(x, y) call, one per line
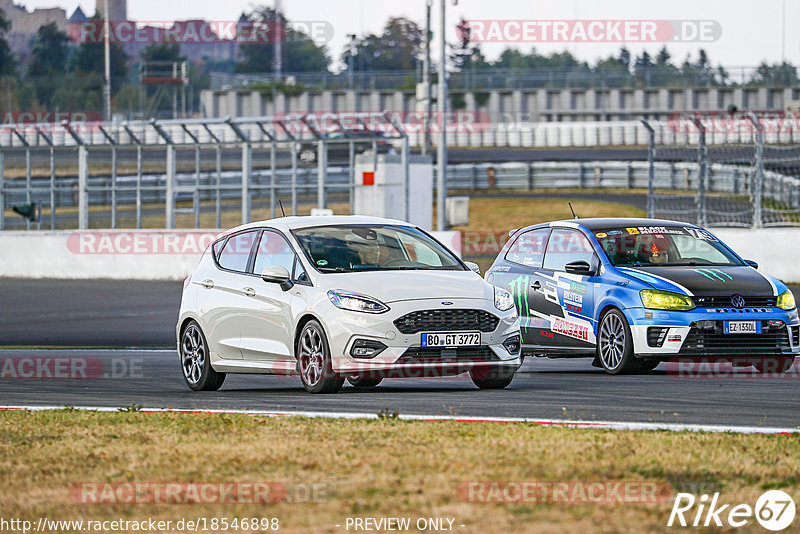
point(667, 334)
point(404, 354)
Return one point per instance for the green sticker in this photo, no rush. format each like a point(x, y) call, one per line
point(322, 263)
point(577, 288)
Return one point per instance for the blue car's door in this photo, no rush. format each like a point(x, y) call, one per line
point(567, 300)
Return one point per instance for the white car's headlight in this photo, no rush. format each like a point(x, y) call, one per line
point(355, 302)
point(503, 300)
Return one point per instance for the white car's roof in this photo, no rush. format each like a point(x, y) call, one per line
point(293, 223)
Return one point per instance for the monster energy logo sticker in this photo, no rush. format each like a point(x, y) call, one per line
point(714, 274)
point(519, 290)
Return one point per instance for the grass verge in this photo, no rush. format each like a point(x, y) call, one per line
point(373, 468)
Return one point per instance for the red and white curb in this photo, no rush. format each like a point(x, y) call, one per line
point(610, 425)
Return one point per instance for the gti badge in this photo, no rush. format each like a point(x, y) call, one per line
point(738, 301)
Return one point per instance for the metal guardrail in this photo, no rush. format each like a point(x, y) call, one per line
point(245, 133)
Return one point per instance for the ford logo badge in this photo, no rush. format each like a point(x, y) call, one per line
point(447, 303)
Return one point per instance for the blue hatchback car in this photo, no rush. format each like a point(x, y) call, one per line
point(635, 292)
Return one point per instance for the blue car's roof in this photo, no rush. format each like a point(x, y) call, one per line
point(611, 222)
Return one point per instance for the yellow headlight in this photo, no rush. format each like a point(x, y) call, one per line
point(665, 300)
point(786, 300)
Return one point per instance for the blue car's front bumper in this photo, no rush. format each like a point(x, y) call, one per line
point(667, 334)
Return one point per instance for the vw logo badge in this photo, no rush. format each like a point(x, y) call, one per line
point(738, 301)
point(447, 303)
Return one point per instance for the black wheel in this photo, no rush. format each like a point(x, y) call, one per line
point(615, 344)
point(362, 382)
point(492, 377)
point(773, 365)
point(314, 361)
point(196, 360)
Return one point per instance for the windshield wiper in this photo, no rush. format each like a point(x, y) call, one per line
point(332, 269)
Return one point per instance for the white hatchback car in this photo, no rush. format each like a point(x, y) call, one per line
point(335, 298)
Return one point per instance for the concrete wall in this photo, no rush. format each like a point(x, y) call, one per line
point(119, 255)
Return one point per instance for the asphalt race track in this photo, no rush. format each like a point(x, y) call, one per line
point(87, 315)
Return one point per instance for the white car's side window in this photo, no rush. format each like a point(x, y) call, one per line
point(273, 250)
point(236, 253)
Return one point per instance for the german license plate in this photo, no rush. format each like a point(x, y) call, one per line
point(742, 327)
point(445, 339)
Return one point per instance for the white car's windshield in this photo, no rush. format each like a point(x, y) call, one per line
point(354, 248)
point(663, 246)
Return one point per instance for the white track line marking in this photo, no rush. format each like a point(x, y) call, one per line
point(612, 425)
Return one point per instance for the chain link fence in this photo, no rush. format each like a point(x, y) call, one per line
point(747, 184)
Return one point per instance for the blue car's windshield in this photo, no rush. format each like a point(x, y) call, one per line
point(663, 246)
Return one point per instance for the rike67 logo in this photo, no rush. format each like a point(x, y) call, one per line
point(774, 510)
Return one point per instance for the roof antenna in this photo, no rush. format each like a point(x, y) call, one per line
point(572, 210)
point(281, 205)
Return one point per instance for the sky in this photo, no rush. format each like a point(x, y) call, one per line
point(751, 30)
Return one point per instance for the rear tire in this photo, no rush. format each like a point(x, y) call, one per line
point(314, 361)
point(774, 365)
point(196, 360)
point(493, 377)
point(615, 344)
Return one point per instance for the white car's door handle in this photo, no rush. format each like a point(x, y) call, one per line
point(249, 292)
point(208, 284)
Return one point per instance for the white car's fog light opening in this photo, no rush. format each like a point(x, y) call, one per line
point(512, 344)
point(366, 349)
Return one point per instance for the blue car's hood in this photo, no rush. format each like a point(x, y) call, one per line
point(704, 281)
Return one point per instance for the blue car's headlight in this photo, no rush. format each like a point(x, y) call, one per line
point(786, 300)
point(355, 302)
point(503, 300)
point(654, 299)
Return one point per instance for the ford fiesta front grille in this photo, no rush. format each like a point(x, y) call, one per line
point(441, 355)
point(447, 321)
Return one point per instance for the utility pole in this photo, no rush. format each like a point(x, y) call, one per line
point(107, 84)
point(351, 60)
point(278, 32)
point(426, 81)
point(441, 185)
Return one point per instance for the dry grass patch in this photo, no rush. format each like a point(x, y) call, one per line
point(372, 468)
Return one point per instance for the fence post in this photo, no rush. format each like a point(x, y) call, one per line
point(702, 162)
point(247, 168)
point(322, 171)
point(651, 170)
point(758, 186)
point(530, 175)
point(83, 195)
point(171, 167)
point(581, 171)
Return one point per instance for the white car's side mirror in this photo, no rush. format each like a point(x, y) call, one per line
point(474, 267)
point(276, 274)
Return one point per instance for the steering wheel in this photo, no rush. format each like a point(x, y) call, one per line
point(392, 261)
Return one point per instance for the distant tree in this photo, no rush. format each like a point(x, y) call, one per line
point(90, 58)
point(625, 57)
point(163, 52)
point(663, 57)
point(399, 47)
point(776, 75)
point(48, 63)
point(466, 53)
point(8, 66)
point(643, 68)
point(298, 50)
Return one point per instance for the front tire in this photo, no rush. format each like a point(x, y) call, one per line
point(314, 361)
point(196, 360)
point(615, 344)
point(492, 378)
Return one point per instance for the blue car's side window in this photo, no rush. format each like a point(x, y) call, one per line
point(528, 249)
point(567, 246)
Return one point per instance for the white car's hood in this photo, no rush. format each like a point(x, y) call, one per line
point(394, 286)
